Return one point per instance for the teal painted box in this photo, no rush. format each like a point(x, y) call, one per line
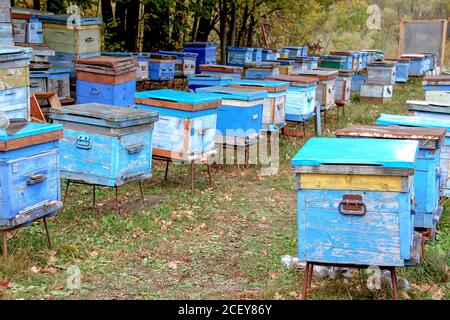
point(105, 145)
point(354, 202)
point(187, 124)
point(426, 176)
point(29, 173)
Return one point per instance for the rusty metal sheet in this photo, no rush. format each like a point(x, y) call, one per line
point(392, 132)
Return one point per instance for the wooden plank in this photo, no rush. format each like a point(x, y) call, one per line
point(352, 182)
point(349, 169)
point(35, 110)
point(392, 132)
point(105, 78)
point(268, 89)
point(178, 105)
point(105, 70)
point(109, 61)
point(31, 140)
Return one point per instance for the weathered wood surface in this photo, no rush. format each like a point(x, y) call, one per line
point(105, 78)
point(30, 140)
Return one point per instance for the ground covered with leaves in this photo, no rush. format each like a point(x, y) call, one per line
point(221, 242)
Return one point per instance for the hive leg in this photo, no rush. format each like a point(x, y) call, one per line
point(304, 130)
point(67, 190)
point(192, 175)
point(93, 196)
point(141, 189)
point(47, 230)
point(209, 174)
point(167, 170)
point(306, 280)
point(117, 199)
point(5, 244)
point(394, 283)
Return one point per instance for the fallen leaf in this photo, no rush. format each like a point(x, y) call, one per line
point(34, 269)
point(50, 270)
point(173, 265)
point(278, 296)
point(4, 284)
point(273, 275)
point(93, 254)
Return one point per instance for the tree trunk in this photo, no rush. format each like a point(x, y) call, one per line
point(223, 12)
point(194, 27)
point(56, 6)
point(205, 26)
point(178, 25)
point(241, 33)
point(232, 32)
point(131, 25)
point(37, 4)
point(251, 28)
point(119, 17)
point(107, 13)
point(156, 33)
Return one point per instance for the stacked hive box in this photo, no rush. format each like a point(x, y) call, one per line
point(212, 69)
point(257, 54)
point(417, 64)
point(208, 80)
point(261, 70)
point(426, 175)
point(296, 51)
point(326, 87)
point(14, 82)
point(373, 55)
point(396, 120)
point(432, 58)
point(269, 54)
point(161, 67)
point(297, 65)
point(355, 202)
point(40, 56)
point(105, 145)
point(429, 109)
point(401, 69)
point(347, 56)
point(206, 52)
point(27, 25)
point(142, 60)
point(6, 32)
point(185, 63)
point(70, 40)
point(286, 66)
point(239, 117)
point(274, 107)
point(239, 56)
point(380, 80)
point(300, 98)
point(187, 123)
point(437, 89)
point(106, 80)
point(343, 86)
point(30, 178)
point(334, 62)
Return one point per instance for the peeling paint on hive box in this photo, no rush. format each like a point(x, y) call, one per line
point(105, 145)
point(379, 231)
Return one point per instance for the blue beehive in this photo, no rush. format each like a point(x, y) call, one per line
point(296, 51)
point(29, 179)
point(105, 145)
point(257, 54)
point(185, 64)
point(363, 59)
point(34, 30)
point(269, 54)
point(397, 120)
point(354, 201)
point(426, 176)
point(65, 60)
point(187, 124)
point(401, 69)
point(161, 67)
point(118, 95)
point(209, 80)
point(225, 70)
point(261, 70)
point(274, 107)
point(417, 64)
point(348, 59)
point(357, 81)
point(300, 98)
point(239, 56)
point(239, 117)
point(206, 52)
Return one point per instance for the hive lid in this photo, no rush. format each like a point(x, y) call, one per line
point(261, 65)
point(349, 151)
point(413, 56)
point(392, 132)
point(341, 72)
point(234, 93)
point(176, 96)
point(295, 80)
point(109, 115)
point(210, 76)
point(199, 44)
point(334, 58)
point(107, 61)
point(284, 61)
point(221, 68)
point(63, 19)
point(319, 74)
point(390, 119)
point(398, 60)
point(30, 134)
point(342, 53)
point(180, 54)
point(439, 80)
point(268, 85)
point(416, 104)
point(382, 63)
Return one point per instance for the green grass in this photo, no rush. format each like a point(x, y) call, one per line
point(224, 242)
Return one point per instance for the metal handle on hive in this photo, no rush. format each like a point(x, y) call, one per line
point(36, 178)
